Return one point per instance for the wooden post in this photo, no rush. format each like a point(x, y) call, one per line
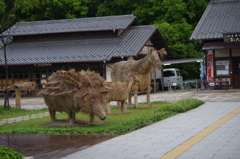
point(18, 98)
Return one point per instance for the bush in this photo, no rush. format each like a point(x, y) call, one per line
point(181, 105)
point(8, 153)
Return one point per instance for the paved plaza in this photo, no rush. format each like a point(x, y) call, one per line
point(160, 139)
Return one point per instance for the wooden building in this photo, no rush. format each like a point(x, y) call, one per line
point(41, 47)
point(219, 33)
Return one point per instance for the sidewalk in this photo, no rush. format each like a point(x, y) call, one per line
point(154, 141)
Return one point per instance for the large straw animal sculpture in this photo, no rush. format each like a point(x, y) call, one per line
point(119, 91)
point(72, 92)
point(18, 87)
point(142, 69)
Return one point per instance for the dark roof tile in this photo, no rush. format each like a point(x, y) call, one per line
point(134, 39)
point(219, 17)
point(57, 52)
point(66, 25)
point(130, 43)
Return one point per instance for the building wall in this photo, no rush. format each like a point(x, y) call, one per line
point(220, 65)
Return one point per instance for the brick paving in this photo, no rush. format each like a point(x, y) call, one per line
point(50, 146)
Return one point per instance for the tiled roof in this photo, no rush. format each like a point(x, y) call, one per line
point(130, 43)
point(134, 39)
point(72, 25)
point(219, 17)
point(59, 51)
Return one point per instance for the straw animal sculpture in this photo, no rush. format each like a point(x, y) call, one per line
point(142, 70)
point(29, 86)
point(18, 87)
point(72, 92)
point(119, 91)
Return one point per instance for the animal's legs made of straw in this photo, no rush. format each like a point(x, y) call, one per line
point(135, 88)
point(52, 114)
point(108, 108)
point(71, 116)
point(123, 106)
point(91, 117)
point(148, 96)
point(130, 98)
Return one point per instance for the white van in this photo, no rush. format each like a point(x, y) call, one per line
point(172, 76)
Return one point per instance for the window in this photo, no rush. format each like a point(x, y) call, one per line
point(168, 73)
point(178, 73)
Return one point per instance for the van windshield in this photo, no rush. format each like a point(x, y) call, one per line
point(178, 73)
point(168, 73)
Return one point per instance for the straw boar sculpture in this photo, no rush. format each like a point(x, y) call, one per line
point(72, 92)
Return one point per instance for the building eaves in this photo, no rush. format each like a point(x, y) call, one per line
point(71, 25)
point(179, 61)
point(63, 51)
point(219, 46)
point(220, 17)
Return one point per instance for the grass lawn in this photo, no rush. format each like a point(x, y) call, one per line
point(15, 112)
point(116, 123)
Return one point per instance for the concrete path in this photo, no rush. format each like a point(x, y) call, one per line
point(22, 118)
point(209, 131)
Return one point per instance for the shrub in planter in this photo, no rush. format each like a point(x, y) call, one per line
point(8, 153)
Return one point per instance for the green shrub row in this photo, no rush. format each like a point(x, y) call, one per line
point(182, 105)
point(8, 153)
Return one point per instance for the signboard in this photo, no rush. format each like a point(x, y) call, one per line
point(231, 38)
point(222, 68)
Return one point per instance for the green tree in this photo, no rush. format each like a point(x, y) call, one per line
point(8, 18)
point(176, 26)
point(37, 10)
point(176, 20)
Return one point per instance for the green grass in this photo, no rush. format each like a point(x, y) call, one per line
point(114, 124)
point(15, 112)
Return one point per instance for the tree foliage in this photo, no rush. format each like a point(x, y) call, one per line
point(176, 19)
point(35, 10)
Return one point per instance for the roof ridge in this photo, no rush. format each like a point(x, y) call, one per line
point(73, 25)
point(80, 19)
point(219, 1)
point(144, 26)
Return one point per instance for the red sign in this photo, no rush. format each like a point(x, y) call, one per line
point(209, 67)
